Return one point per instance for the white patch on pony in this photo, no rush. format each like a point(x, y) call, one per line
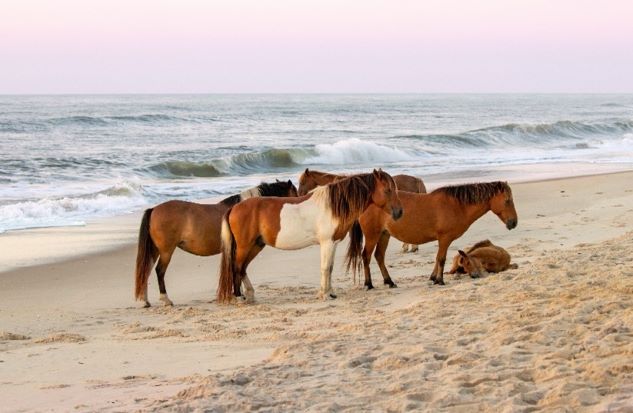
point(250, 193)
point(308, 223)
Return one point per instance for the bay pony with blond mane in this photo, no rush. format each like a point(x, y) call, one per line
point(324, 216)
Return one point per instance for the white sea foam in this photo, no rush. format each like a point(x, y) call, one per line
point(356, 151)
point(70, 210)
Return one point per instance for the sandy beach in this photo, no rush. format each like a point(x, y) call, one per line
point(556, 334)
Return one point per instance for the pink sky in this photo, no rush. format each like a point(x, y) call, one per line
point(145, 46)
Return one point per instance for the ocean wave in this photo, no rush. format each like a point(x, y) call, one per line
point(71, 210)
point(526, 134)
point(185, 169)
point(356, 151)
point(22, 126)
point(78, 120)
point(345, 152)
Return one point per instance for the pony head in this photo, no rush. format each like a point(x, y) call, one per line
point(290, 188)
point(502, 205)
point(307, 182)
point(385, 195)
point(470, 265)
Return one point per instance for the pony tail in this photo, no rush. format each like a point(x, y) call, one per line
point(353, 259)
point(227, 269)
point(145, 256)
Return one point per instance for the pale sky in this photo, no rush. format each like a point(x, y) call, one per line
point(195, 46)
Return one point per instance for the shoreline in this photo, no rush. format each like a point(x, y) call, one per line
point(35, 247)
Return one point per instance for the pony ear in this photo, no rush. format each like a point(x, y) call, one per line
point(289, 182)
point(462, 253)
point(306, 172)
point(277, 180)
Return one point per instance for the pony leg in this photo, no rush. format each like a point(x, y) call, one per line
point(161, 269)
point(405, 247)
point(413, 248)
point(328, 249)
point(146, 303)
point(381, 248)
point(438, 272)
point(250, 291)
point(370, 245)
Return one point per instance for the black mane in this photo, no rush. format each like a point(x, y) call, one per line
point(231, 200)
point(279, 188)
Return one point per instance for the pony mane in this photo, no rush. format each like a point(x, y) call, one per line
point(349, 196)
point(475, 193)
point(231, 200)
point(279, 188)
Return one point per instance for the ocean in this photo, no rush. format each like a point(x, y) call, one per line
point(67, 160)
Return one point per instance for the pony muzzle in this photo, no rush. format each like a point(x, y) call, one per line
point(396, 213)
point(511, 223)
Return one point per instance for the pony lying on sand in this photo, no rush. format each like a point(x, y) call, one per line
point(309, 180)
point(192, 227)
point(323, 216)
point(443, 215)
point(483, 256)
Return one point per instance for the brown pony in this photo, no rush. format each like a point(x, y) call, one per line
point(442, 215)
point(309, 180)
point(483, 256)
point(324, 216)
point(192, 227)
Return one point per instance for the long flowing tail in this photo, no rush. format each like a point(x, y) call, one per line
point(227, 267)
point(353, 258)
point(145, 257)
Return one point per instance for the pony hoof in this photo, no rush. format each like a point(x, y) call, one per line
point(332, 296)
point(166, 301)
point(369, 287)
point(392, 285)
point(414, 249)
point(146, 304)
point(439, 282)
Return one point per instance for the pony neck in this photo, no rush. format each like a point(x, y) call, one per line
point(324, 178)
point(475, 211)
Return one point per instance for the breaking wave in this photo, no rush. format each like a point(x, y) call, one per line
point(345, 152)
point(70, 210)
point(526, 134)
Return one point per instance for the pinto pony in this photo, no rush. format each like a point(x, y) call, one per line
point(442, 215)
point(483, 256)
point(309, 180)
point(323, 216)
point(192, 227)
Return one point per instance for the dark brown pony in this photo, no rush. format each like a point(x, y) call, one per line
point(324, 216)
point(192, 227)
point(442, 215)
point(309, 180)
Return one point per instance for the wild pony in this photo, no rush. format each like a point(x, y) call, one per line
point(192, 227)
point(483, 256)
point(309, 180)
point(442, 215)
point(324, 216)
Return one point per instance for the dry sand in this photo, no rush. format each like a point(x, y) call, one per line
point(555, 334)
